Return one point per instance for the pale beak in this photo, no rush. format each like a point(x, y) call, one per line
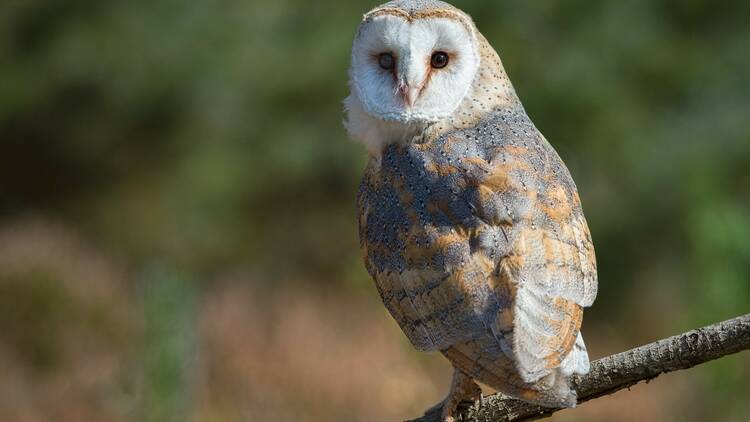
point(410, 93)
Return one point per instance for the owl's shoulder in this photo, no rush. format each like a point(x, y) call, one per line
point(503, 135)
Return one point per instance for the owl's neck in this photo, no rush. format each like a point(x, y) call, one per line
point(491, 92)
point(375, 134)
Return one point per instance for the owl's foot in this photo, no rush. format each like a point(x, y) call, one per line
point(463, 390)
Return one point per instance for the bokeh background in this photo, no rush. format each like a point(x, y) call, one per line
point(177, 223)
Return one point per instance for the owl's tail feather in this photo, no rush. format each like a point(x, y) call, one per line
point(554, 390)
point(551, 390)
point(577, 361)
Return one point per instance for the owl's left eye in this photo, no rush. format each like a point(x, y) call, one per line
point(386, 61)
point(439, 60)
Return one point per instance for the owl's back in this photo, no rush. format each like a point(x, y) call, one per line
point(479, 248)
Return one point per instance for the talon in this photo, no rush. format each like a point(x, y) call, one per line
point(464, 391)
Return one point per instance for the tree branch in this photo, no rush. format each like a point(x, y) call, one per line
point(623, 370)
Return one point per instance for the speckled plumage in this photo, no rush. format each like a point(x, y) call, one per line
point(455, 229)
point(473, 231)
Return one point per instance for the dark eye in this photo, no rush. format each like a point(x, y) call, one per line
point(386, 61)
point(439, 60)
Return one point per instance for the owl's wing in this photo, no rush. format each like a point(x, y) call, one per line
point(546, 272)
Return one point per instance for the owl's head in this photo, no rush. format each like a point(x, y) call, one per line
point(413, 61)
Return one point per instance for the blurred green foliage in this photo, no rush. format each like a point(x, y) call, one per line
point(168, 302)
point(208, 136)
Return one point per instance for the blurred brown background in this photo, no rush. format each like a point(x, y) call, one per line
point(177, 224)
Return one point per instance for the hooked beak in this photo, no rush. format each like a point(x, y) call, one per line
point(409, 93)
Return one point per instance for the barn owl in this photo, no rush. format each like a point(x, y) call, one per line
point(470, 224)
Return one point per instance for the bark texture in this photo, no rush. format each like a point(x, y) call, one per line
point(623, 370)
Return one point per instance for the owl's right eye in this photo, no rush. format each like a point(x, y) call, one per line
point(386, 61)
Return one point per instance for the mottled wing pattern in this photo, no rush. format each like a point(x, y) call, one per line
point(549, 269)
point(479, 248)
